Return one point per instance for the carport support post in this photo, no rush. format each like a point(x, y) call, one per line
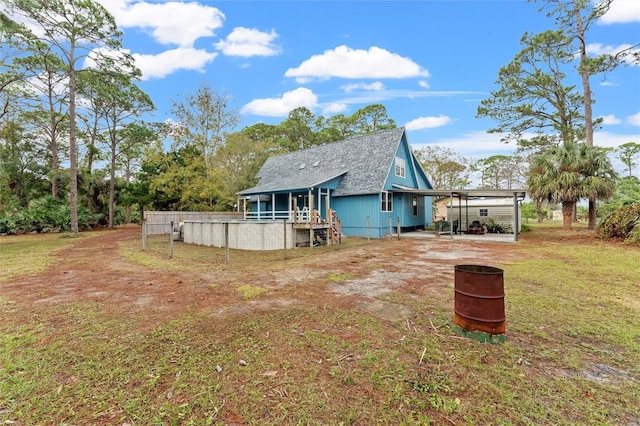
point(398, 226)
point(450, 213)
point(171, 241)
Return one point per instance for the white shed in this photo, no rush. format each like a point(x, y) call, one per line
point(500, 210)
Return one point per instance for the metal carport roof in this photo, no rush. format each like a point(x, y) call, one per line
point(467, 194)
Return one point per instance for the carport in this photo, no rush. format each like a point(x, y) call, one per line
point(464, 195)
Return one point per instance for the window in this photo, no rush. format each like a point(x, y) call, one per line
point(414, 205)
point(387, 202)
point(484, 212)
point(400, 168)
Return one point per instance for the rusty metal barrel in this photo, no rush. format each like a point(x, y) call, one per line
point(479, 299)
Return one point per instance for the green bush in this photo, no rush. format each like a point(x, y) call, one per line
point(494, 227)
point(623, 223)
point(46, 214)
point(13, 221)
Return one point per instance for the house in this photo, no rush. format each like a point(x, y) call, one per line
point(363, 186)
point(484, 208)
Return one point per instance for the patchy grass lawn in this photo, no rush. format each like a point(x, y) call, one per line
point(282, 347)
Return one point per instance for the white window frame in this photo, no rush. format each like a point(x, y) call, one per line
point(485, 211)
point(387, 201)
point(401, 168)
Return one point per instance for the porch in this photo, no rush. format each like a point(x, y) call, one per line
point(309, 212)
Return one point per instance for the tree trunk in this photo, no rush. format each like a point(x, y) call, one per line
point(112, 178)
point(592, 213)
point(538, 205)
point(127, 179)
point(567, 215)
point(586, 90)
point(73, 151)
point(54, 169)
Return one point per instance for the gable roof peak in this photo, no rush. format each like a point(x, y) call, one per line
point(362, 161)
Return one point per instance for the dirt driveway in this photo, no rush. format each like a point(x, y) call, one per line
point(93, 269)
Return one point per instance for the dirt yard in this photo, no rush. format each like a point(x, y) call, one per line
point(357, 334)
point(92, 269)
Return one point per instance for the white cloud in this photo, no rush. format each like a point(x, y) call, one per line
point(622, 11)
point(424, 84)
point(475, 144)
point(608, 83)
point(334, 108)
point(612, 140)
point(634, 120)
point(610, 120)
point(480, 144)
point(170, 23)
point(606, 49)
point(170, 61)
point(376, 86)
point(248, 42)
point(344, 62)
point(281, 107)
point(428, 122)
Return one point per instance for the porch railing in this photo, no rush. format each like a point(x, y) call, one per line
point(269, 215)
point(297, 215)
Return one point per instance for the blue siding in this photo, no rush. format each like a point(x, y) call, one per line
point(409, 179)
point(414, 218)
point(356, 212)
point(421, 177)
point(353, 212)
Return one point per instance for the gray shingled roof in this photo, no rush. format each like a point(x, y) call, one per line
point(363, 162)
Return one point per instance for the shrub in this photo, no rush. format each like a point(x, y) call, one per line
point(623, 223)
point(494, 227)
point(46, 214)
point(13, 222)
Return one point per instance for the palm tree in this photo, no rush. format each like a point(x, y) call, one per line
point(599, 178)
point(571, 171)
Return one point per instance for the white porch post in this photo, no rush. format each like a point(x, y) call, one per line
point(258, 209)
point(310, 218)
point(273, 206)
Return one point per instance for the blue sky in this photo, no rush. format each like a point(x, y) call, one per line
point(428, 62)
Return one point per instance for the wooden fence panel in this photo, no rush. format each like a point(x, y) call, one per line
point(159, 222)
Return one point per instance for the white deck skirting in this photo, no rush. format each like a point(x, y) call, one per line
point(242, 234)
